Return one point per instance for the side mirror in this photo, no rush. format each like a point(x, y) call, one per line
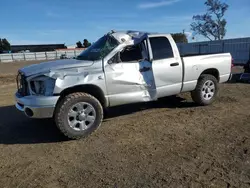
point(115, 59)
point(110, 61)
point(118, 57)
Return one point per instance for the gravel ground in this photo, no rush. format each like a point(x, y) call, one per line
point(168, 143)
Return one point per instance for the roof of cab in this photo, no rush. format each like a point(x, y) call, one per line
point(129, 35)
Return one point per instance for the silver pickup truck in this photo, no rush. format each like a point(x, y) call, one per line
point(119, 68)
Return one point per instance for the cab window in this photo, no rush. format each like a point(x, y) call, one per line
point(161, 48)
point(131, 53)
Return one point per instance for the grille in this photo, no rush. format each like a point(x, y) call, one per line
point(22, 85)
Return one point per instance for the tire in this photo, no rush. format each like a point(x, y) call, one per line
point(247, 70)
point(247, 67)
point(203, 96)
point(73, 113)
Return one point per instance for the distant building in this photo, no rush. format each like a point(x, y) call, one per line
point(71, 46)
point(36, 47)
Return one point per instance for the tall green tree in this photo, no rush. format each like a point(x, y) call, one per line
point(5, 45)
point(86, 43)
point(212, 24)
point(1, 45)
point(179, 37)
point(79, 44)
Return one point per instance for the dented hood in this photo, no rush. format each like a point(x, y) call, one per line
point(54, 65)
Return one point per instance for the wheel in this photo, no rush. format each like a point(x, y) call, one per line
point(206, 90)
point(246, 70)
point(78, 114)
point(247, 67)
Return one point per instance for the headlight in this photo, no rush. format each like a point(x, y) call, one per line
point(42, 85)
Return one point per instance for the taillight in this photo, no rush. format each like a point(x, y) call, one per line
point(232, 63)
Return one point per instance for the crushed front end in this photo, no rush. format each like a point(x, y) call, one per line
point(35, 97)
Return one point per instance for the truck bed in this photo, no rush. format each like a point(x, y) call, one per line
point(198, 54)
point(194, 66)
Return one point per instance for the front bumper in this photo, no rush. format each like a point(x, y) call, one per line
point(36, 106)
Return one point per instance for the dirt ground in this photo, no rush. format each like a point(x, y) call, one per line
point(168, 143)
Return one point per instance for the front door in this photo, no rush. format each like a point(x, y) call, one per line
point(167, 66)
point(129, 78)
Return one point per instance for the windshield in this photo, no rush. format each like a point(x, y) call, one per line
point(99, 49)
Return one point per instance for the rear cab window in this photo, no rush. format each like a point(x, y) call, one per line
point(161, 48)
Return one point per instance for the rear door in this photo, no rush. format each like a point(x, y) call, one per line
point(167, 65)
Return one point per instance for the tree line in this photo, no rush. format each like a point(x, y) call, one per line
point(85, 44)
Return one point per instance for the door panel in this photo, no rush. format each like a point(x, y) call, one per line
point(167, 67)
point(126, 84)
point(168, 79)
point(132, 80)
point(122, 78)
point(147, 76)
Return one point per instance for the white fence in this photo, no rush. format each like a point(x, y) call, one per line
point(31, 56)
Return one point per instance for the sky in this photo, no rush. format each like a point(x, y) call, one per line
point(68, 21)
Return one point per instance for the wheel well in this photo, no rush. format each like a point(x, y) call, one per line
point(213, 72)
point(90, 89)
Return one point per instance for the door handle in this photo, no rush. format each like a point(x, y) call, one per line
point(174, 64)
point(145, 69)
